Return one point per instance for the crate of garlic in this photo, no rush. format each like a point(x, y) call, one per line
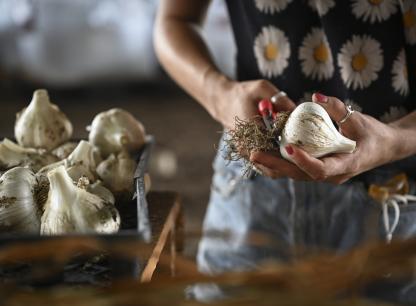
point(52, 185)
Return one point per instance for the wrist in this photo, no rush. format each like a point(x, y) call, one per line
point(217, 87)
point(403, 140)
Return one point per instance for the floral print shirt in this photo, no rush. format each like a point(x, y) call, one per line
point(361, 51)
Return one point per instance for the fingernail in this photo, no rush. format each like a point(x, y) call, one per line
point(320, 97)
point(289, 150)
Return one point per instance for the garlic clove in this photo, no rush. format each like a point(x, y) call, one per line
point(310, 127)
point(70, 209)
point(117, 174)
point(116, 130)
point(147, 183)
point(98, 189)
point(64, 150)
point(42, 124)
point(18, 210)
point(81, 162)
point(12, 155)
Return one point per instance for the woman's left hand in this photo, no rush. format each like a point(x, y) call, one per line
point(376, 145)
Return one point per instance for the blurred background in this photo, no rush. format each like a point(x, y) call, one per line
point(93, 55)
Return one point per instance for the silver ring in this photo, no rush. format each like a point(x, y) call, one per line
point(277, 96)
point(349, 110)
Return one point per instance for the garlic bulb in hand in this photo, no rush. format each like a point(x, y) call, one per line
point(12, 155)
point(310, 128)
point(42, 124)
point(116, 130)
point(18, 210)
point(70, 209)
point(117, 173)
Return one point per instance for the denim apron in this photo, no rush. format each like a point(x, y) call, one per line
point(294, 217)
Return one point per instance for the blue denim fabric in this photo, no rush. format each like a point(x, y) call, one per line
point(308, 215)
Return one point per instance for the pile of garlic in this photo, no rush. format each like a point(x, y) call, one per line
point(54, 186)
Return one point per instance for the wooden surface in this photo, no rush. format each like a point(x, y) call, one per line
point(165, 216)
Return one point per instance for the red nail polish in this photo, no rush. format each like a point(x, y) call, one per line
point(289, 150)
point(320, 97)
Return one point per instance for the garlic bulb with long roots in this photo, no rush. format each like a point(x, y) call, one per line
point(71, 209)
point(116, 130)
point(310, 128)
point(19, 212)
point(12, 155)
point(42, 124)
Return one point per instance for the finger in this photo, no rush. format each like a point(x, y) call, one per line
point(282, 103)
point(267, 172)
point(275, 163)
point(319, 170)
point(335, 108)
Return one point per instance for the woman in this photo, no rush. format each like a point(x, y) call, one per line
point(360, 52)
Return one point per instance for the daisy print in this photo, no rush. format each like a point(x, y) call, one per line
point(271, 6)
point(316, 57)
point(374, 10)
point(400, 79)
point(360, 60)
point(321, 6)
point(394, 113)
point(272, 51)
point(355, 106)
point(409, 20)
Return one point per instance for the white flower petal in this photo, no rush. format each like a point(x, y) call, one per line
point(374, 10)
point(360, 60)
point(272, 51)
point(400, 81)
point(271, 6)
point(315, 56)
point(321, 6)
point(393, 114)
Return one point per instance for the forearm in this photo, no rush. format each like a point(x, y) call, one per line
point(405, 140)
point(184, 55)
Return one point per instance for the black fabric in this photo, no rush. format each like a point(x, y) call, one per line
point(339, 24)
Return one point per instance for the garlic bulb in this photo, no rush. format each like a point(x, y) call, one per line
point(42, 124)
point(18, 210)
point(310, 127)
point(147, 183)
point(117, 173)
point(70, 209)
point(98, 189)
point(81, 162)
point(64, 150)
point(116, 130)
point(12, 155)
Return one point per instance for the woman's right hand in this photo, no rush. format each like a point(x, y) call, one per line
point(240, 99)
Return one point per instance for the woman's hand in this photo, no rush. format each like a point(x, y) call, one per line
point(240, 99)
point(377, 144)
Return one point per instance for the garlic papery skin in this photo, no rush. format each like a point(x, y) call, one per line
point(42, 124)
point(117, 174)
point(19, 212)
point(81, 162)
point(98, 189)
point(70, 209)
point(64, 150)
point(116, 130)
point(12, 155)
point(310, 128)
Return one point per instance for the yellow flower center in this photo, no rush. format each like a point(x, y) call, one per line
point(375, 2)
point(409, 19)
point(321, 53)
point(359, 62)
point(271, 52)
